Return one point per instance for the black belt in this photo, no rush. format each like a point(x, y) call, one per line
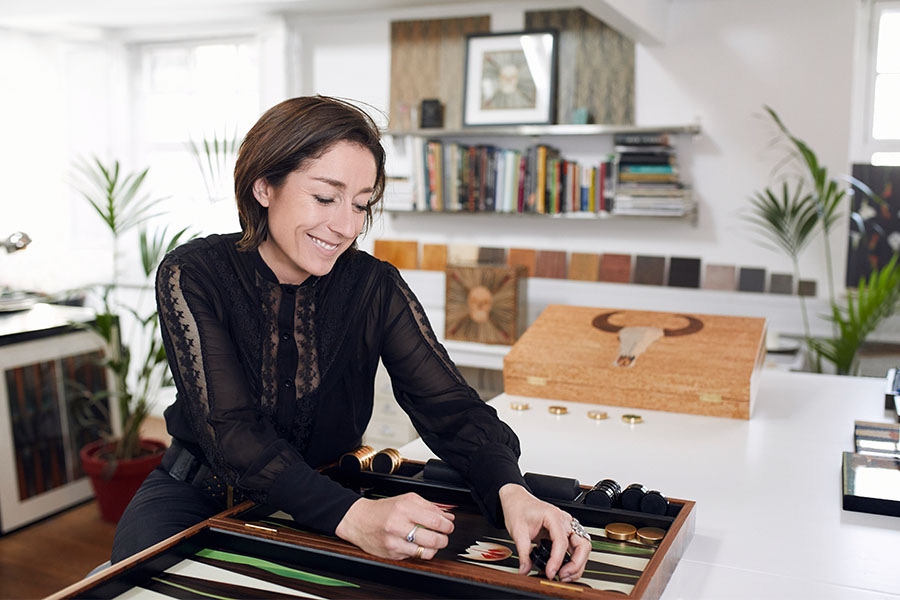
point(183, 465)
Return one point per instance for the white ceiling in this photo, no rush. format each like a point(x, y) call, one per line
point(55, 15)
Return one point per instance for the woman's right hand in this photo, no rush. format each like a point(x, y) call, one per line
point(382, 527)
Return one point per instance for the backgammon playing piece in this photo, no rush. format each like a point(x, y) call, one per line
point(621, 531)
point(631, 497)
point(650, 535)
point(540, 554)
point(654, 503)
point(604, 494)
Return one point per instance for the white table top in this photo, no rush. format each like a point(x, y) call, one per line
point(769, 522)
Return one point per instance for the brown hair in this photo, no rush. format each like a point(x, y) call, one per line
point(284, 138)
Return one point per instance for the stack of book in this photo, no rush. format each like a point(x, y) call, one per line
point(648, 182)
point(456, 177)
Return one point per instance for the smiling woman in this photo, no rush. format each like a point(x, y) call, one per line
point(274, 336)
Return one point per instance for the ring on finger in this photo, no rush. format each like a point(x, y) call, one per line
point(411, 536)
point(419, 551)
point(578, 530)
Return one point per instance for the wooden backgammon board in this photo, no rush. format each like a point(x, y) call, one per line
point(253, 551)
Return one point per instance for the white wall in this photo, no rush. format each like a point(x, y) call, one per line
point(721, 62)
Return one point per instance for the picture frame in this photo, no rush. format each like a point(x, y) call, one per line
point(510, 78)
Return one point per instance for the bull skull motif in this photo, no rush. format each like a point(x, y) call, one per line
point(634, 340)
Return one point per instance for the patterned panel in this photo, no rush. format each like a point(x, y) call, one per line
point(427, 58)
point(596, 66)
point(584, 266)
point(522, 256)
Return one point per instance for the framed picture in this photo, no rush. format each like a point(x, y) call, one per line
point(510, 78)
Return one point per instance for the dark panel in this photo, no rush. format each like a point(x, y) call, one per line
point(684, 272)
point(752, 280)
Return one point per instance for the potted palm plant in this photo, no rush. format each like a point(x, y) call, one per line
point(789, 218)
point(121, 458)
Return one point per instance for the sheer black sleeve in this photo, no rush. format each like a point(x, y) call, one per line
point(452, 419)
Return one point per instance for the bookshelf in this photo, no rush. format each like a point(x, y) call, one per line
point(550, 171)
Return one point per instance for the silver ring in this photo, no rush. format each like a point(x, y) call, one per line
point(411, 536)
point(578, 530)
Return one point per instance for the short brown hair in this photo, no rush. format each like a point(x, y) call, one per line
point(284, 138)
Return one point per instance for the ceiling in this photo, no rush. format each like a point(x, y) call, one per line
point(62, 15)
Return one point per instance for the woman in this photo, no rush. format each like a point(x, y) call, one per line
point(273, 337)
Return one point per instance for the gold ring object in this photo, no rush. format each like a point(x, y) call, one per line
point(597, 415)
point(519, 405)
point(419, 551)
point(558, 410)
point(632, 419)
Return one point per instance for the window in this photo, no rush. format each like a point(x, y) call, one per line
point(191, 92)
point(882, 143)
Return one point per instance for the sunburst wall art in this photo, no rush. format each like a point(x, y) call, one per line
point(485, 304)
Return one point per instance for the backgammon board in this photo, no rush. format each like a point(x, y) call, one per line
point(254, 551)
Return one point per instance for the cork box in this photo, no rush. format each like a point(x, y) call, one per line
point(678, 362)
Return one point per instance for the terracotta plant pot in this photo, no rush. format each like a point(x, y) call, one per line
point(114, 488)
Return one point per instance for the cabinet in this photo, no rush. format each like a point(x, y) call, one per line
point(41, 356)
point(560, 171)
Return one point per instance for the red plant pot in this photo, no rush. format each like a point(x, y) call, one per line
point(114, 488)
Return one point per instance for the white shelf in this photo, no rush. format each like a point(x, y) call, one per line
point(547, 130)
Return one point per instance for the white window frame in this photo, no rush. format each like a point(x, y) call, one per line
point(870, 18)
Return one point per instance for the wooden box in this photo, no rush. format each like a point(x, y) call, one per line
point(485, 303)
point(688, 363)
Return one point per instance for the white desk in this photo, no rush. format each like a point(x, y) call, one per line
point(769, 522)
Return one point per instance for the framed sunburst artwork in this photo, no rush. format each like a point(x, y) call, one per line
point(485, 304)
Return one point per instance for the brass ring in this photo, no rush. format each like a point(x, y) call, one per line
point(558, 410)
point(519, 405)
point(419, 551)
point(632, 419)
point(597, 415)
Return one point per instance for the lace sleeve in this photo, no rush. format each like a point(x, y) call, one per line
point(449, 415)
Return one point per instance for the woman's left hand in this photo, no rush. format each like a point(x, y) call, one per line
point(526, 517)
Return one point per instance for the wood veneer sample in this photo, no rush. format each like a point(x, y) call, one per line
point(434, 257)
point(649, 270)
point(720, 277)
point(403, 254)
point(526, 257)
point(615, 268)
point(752, 280)
point(584, 266)
point(684, 272)
point(806, 287)
point(491, 256)
point(781, 283)
point(462, 254)
point(550, 264)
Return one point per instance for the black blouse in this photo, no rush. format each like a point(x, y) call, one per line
point(276, 381)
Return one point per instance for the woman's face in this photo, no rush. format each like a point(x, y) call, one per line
point(317, 213)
